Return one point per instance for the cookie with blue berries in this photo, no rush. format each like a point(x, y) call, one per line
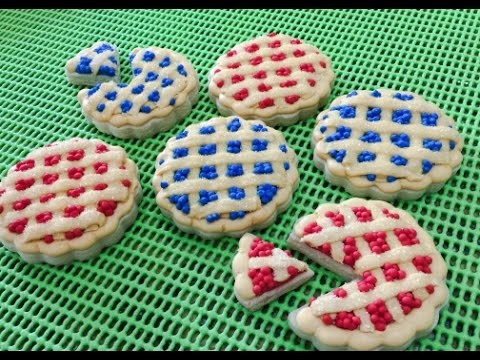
point(163, 89)
point(95, 64)
point(386, 144)
point(225, 177)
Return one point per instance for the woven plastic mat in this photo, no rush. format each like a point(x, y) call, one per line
point(159, 288)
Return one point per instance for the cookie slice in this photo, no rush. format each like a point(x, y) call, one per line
point(274, 78)
point(225, 177)
point(263, 272)
point(96, 64)
point(386, 145)
point(399, 277)
point(161, 93)
point(68, 200)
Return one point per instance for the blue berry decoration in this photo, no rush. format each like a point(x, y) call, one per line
point(386, 144)
point(225, 176)
point(164, 84)
point(95, 64)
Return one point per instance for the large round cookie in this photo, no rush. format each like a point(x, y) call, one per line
point(274, 78)
point(386, 144)
point(68, 200)
point(399, 277)
point(225, 176)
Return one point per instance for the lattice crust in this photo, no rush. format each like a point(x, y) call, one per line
point(162, 80)
point(271, 75)
point(97, 63)
point(387, 139)
point(66, 196)
point(401, 275)
point(260, 267)
point(225, 174)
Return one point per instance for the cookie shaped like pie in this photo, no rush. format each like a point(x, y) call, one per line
point(96, 64)
point(386, 144)
point(225, 177)
point(162, 92)
point(68, 200)
point(264, 272)
point(399, 277)
point(274, 78)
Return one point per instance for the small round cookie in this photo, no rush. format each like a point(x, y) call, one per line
point(96, 64)
point(274, 78)
point(68, 200)
point(386, 144)
point(225, 177)
point(399, 276)
point(162, 92)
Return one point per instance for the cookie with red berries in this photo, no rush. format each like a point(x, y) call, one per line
point(398, 285)
point(274, 78)
point(68, 200)
point(264, 272)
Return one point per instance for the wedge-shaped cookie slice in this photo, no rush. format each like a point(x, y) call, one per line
point(399, 285)
point(96, 64)
point(263, 272)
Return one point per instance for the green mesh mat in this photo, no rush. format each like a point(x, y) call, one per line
point(159, 288)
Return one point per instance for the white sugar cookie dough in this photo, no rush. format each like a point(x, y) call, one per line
point(399, 277)
point(95, 64)
point(386, 144)
point(225, 177)
point(68, 200)
point(274, 78)
point(161, 93)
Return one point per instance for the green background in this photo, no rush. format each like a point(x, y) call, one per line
point(159, 288)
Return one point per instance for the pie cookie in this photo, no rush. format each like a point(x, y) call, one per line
point(96, 64)
point(386, 144)
point(263, 272)
point(274, 78)
point(225, 177)
point(68, 200)
point(162, 92)
point(399, 285)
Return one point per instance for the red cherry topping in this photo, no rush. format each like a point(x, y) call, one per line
point(51, 160)
point(107, 207)
point(292, 99)
point(24, 184)
point(76, 192)
point(263, 87)
point(267, 102)
point(73, 211)
point(25, 165)
point(74, 233)
point(18, 226)
point(45, 197)
point(44, 217)
point(21, 204)
point(241, 94)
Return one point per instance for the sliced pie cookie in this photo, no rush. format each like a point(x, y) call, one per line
point(68, 200)
point(399, 277)
point(96, 64)
point(162, 91)
point(264, 272)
